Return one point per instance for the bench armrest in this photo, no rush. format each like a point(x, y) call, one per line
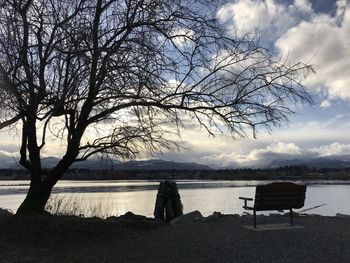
point(245, 201)
point(246, 198)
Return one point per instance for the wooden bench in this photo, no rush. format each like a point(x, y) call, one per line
point(277, 196)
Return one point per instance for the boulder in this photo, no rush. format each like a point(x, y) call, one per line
point(188, 218)
point(129, 216)
point(131, 219)
point(4, 213)
point(213, 217)
point(342, 215)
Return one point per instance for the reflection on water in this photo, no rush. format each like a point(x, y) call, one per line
point(17, 187)
point(118, 197)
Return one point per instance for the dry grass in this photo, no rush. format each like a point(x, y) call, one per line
point(79, 205)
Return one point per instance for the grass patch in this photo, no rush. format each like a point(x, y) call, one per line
point(79, 205)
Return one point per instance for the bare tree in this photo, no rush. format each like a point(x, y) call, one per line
point(125, 71)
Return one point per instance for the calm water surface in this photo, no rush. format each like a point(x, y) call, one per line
point(118, 197)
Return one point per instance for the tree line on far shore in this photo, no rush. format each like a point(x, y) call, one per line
point(281, 173)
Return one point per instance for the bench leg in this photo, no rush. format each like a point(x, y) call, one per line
point(254, 212)
point(291, 217)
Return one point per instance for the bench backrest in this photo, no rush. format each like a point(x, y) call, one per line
point(279, 196)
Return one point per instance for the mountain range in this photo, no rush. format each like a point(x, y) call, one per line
point(339, 162)
point(101, 164)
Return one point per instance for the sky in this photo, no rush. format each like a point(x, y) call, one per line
point(312, 31)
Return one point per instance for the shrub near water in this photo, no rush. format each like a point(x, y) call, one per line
point(79, 205)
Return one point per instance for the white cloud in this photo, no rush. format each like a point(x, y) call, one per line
point(232, 159)
point(332, 149)
point(279, 148)
point(325, 104)
point(182, 37)
point(268, 17)
point(341, 7)
point(7, 154)
point(325, 42)
point(260, 156)
point(302, 35)
point(303, 5)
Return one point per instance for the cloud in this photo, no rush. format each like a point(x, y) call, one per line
point(5, 153)
point(268, 17)
point(325, 104)
point(182, 37)
point(332, 149)
point(274, 150)
point(324, 41)
point(258, 157)
point(296, 31)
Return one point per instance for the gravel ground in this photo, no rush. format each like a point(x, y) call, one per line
point(72, 239)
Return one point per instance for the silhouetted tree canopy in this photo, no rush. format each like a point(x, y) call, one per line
point(121, 77)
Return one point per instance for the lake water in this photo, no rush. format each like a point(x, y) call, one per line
point(118, 197)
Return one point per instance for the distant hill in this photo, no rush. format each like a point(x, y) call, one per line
point(160, 165)
point(317, 162)
point(101, 164)
point(339, 162)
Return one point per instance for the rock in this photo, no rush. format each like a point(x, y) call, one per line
point(4, 213)
point(213, 218)
point(112, 218)
point(217, 215)
point(129, 216)
point(131, 219)
point(188, 218)
point(314, 215)
point(342, 215)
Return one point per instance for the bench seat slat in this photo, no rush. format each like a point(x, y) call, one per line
point(287, 205)
point(286, 199)
point(272, 208)
point(275, 196)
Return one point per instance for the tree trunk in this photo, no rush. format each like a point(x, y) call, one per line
point(41, 186)
point(36, 199)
